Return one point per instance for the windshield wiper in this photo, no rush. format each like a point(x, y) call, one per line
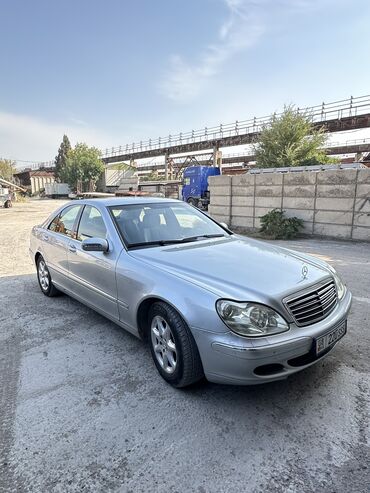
point(173, 242)
point(199, 237)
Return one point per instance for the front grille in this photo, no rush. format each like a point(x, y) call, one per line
point(314, 305)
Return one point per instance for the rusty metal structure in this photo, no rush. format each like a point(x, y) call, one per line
point(242, 159)
point(347, 114)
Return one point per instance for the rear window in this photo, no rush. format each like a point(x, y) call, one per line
point(64, 222)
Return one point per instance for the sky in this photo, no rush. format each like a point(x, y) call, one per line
point(116, 71)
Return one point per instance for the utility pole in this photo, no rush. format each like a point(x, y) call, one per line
point(166, 159)
point(217, 157)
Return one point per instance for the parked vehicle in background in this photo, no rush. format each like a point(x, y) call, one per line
point(195, 185)
point(7, 192)
point(208, 302)
point(57, 190)
point(5, 197)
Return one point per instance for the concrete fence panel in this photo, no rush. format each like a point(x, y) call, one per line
point(331, 203)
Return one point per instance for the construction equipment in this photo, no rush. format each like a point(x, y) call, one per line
point(6, 195)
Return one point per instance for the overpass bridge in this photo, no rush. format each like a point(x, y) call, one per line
point(347, 114)
point(242, 159)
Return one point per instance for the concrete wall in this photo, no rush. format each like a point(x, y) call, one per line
point(38, 182)
point(332, 203)
point(113, 177)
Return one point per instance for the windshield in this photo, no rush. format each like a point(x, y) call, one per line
point(144, 225)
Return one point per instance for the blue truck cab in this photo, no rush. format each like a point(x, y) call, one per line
point(195, 185)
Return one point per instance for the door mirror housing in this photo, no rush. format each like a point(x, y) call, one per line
point(95, 245)
point(224, 225)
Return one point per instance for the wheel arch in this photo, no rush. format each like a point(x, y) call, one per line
point(143, 312)
point(37, 256)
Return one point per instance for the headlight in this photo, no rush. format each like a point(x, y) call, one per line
point(250, 319)
point(341, 288)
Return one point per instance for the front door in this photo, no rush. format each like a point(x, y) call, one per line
point(92, 274)
point(55, 244)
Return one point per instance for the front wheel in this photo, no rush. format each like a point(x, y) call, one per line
point(44, 278)
point(173, 348)
point(192, 201)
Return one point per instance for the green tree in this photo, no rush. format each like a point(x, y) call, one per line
point(7, 169)
point(61, 158)
point(83, 167)
point(291, 140)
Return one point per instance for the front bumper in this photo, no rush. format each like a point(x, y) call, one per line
point(228, 358)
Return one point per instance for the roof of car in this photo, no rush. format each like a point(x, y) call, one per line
point(126, 201)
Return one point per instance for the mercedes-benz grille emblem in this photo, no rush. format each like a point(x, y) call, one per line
point(304, 271)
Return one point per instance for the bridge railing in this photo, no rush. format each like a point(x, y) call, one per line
point(320, 113)
point(20, 166)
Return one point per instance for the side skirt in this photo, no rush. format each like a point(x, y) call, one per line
point(125, 326)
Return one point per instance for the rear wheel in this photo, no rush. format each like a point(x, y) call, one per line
point(173, 348)
point(8, 204)
point(44, 278)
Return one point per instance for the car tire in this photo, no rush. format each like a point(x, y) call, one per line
point(43, 276)
point(193, 202)
point(173, 347)
point(7, 204)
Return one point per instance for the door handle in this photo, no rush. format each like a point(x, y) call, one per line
point(45, 237)
point(72, 248)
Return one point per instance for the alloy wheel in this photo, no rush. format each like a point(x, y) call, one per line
point(163, 344)
point(43, 274)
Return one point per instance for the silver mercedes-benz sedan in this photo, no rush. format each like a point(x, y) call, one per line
point(209, 302)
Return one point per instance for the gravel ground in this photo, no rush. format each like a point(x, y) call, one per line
point(82, 407)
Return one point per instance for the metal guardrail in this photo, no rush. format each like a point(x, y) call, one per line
point(35, 166)
point(347, 143)
point(321, 113)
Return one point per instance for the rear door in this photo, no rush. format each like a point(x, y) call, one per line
point(92, 274)
point(55, 244)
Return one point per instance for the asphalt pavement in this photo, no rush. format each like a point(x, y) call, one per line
point(83, 409)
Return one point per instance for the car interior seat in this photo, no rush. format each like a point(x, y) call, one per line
point(152, 226)
point(129, 223)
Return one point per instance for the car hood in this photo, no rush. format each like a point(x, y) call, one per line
point(237, 267)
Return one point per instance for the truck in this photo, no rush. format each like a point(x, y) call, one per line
point(195, 185)
point(57, 190)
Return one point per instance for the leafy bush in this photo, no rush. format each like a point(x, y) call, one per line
point(275, 225)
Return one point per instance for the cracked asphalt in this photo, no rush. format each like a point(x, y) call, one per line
point(82, 408)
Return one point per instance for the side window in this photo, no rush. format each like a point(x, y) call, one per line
point(64, 222)
point(54, 223)
point(91, 224)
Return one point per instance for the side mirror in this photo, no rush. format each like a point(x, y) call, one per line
point(95, 245)
point(224, 225)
